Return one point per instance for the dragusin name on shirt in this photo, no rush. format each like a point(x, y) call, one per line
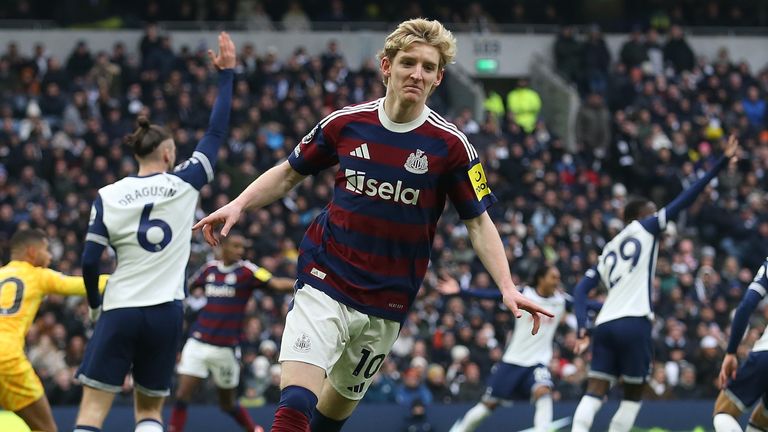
point(148, 191)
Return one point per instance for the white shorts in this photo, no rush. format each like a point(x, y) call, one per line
point(198, 358)
point(349, 345)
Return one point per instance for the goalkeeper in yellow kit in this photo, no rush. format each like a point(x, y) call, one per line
point(23, 283)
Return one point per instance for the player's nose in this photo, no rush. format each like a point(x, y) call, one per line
point(417, 73)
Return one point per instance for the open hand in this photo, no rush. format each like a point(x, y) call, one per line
point(447, 285)
point(582, 344)
point(225, 59)
point(728, 370)
point(731, 147)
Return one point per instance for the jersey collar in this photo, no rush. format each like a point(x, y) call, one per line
point(402, 127)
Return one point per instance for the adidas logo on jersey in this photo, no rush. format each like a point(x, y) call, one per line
point(361, 152)
point(357, 388)
point(357, 183)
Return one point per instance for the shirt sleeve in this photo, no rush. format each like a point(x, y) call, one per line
point(590, 280)
point(468, 190)
point(261, 276)
point(97, 231)
point(58, 283)
point(315, 152)
point(754, 295)
point(198, 279)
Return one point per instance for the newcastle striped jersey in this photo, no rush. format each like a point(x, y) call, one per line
point(370, 247)
point(227, 289)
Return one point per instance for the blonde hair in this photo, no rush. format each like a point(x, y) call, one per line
point(420, 30)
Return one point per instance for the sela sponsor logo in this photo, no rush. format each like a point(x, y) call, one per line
point(303, 343)
point(357, 183)
point(417, 163)
point(395, 305)
point(219, 291)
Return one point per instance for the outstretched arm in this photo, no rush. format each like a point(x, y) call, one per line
point(450, 286)
point(268, 188)
point(487, 244)
point(671, 211)
point(755, 293)
point(580, 302)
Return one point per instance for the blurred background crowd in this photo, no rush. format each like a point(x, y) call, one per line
point(486, 15)
point(651, 122)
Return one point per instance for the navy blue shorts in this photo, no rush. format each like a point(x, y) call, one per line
point(144, 338)
point(622, 348)
point(751, 381)
point(512, 382)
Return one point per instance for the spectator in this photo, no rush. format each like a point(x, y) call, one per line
point(677, 52)
point(658, 388)
point(755, 108)
point(593, 127)
point(597, 60)
point(471, 387)
point(295, 19)
point(80, 61)
point(525, 104)
point(568, 54)
point(254, 17)
point(437, 385)
point(633, 52)
point(412, 389)
point(418, 422)
point(687, 388)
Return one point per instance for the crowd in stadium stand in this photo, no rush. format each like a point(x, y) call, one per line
point(652, 120)
point(480, 16)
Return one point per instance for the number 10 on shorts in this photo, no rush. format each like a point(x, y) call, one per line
point(372, 366)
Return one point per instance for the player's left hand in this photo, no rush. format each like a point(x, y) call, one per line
point(581, 345)
point(728, 370)
point(225, 59)
point(447, 285)
point(516, 301)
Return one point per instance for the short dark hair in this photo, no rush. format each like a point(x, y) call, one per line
point(26, 237)
point(540, 272)
point(145, 139)
point(634, 208)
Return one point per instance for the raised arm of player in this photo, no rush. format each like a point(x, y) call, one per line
point(59, 283)
point(268, 188)
point(448, 285)
point(755, 293)
point(198, 169)
point(580, 306)
point(487, 244)
point(671, 211)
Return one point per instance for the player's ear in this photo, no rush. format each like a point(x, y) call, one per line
point(30, 252)
point(440, 75)
point(386, 67)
